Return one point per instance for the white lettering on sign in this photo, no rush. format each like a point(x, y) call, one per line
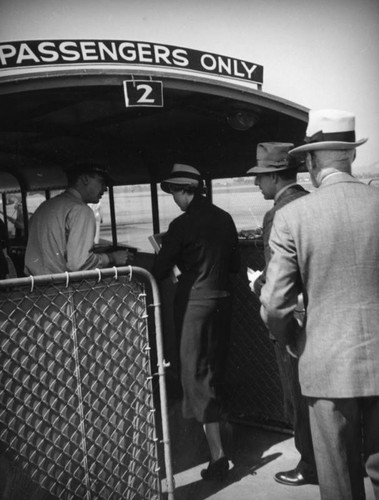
point(249, 70)
point(6, 52)
point(146, 92)
point(208, 62)
point(180, 58)
point(227, 66)
point(144, 52)
point(89, 51)
point(43, 52)
point(48, 54)
point(162, 54)
point(68, 51)
point(26, 54)
point(105, 51)
point(143, 93)
point(236, 69)
point(129, 56)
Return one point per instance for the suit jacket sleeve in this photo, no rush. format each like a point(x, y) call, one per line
point(279, 293)
point(267, 224)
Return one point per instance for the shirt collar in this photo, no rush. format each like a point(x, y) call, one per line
point(329, 175)
point(74, 192)
point(281, 191)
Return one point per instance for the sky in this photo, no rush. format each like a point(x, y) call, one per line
point(319, 54)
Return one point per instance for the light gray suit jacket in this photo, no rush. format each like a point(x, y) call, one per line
point(330, 237)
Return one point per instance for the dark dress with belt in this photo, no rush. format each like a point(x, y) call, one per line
point(203, 244)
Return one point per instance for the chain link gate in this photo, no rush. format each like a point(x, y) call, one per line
point(253, 382)
point(78, 415)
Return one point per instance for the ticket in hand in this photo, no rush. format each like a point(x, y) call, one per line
point(253, 275)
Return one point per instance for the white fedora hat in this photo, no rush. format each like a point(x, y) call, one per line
point(329, 129)
point(182, 174)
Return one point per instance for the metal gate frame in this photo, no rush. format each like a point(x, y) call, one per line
point(67, 280)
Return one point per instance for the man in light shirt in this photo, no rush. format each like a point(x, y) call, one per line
point(62, 229)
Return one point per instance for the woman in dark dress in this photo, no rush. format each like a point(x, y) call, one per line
point(203, 244)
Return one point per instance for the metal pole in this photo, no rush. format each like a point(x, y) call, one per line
point(155, 207)
point(113, 216)
point(162, 365)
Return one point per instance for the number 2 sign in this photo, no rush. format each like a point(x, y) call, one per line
point(143, 93)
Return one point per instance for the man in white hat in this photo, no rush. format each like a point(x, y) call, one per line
point(203, 244)
point(329, 240)
point(275, 174)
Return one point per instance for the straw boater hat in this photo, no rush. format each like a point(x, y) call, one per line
point(329, 129)
point(182, 174)
point(272, 157)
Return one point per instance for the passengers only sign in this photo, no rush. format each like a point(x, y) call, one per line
point(57, 52)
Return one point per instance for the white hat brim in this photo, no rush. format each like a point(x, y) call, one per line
point(317, 146)
point(165, 185)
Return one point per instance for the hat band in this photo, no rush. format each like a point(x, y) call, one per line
point(188, 175)
point(271, 163)
point(319, 136)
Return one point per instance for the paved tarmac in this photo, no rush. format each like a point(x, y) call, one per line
point(256, 454)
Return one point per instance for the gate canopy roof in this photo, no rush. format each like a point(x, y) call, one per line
point(50, 121)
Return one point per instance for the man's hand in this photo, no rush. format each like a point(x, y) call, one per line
point(120, 257)
point(292, 351)
point(252, 276)
point(299, 312)
point(263, 314)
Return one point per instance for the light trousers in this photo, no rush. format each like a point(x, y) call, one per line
point(345, 435)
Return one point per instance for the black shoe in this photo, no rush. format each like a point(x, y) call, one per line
point(217, 470)
point(294, 478)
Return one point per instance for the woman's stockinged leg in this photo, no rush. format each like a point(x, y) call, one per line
point(213, 435)
point(219, 465)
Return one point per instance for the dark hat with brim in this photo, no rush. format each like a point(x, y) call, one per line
point(181, 174)
point(272, 157)
point(90, 167)
point(329, 129)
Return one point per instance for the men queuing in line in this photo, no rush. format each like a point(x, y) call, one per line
point(62, 229)
point(324, 245)
point(330, 240)
point(203, 244)
point(275, 175)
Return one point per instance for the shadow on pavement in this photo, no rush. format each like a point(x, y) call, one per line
point(244, 446)
point(200, 489)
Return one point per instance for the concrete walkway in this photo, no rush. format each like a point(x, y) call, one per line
point(257, 454)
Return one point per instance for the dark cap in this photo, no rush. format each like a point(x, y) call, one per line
point(89, 167)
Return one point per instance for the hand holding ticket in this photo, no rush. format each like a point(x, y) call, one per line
point(252, 276)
